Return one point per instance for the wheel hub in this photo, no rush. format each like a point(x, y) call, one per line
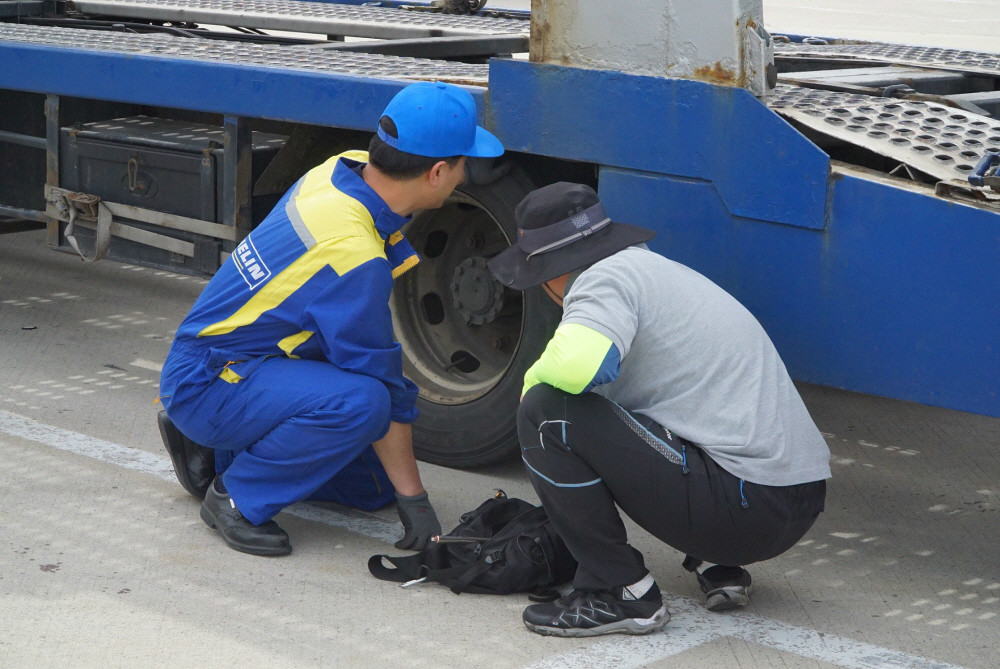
point(476, 295)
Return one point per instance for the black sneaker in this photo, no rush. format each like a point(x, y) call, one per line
point(725, 588)
point(588, 613)
point(220, 513)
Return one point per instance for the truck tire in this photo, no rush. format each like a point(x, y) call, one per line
point(467, 340)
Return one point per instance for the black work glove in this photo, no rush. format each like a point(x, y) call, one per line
point(420, 522)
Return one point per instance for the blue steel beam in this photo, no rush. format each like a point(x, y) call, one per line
point(337, 100)
point(896, 297)
point(762, 167)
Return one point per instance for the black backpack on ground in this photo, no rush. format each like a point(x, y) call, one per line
point(504, 546)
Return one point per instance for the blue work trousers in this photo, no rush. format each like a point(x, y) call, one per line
point(298, 429)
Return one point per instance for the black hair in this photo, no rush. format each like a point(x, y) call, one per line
point(398, 164)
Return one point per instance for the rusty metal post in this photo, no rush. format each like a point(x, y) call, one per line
point(717, 41)
point(52, 160)
point(237, 175)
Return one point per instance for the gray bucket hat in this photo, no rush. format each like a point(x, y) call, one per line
point(560, 228)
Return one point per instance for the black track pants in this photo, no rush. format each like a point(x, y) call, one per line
point(585, 454)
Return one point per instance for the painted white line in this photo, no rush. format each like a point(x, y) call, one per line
point(679, 635)
point(74, 442)
point(147, 364)
point(691, 624)
point(138, 460)
point(352, 520)
point(830, 648)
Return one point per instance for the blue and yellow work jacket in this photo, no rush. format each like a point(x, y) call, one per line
point(312, 281)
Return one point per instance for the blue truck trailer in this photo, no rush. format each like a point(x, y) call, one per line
point(846, 192)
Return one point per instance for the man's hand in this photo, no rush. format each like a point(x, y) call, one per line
point(420, 522)
point(395, 451)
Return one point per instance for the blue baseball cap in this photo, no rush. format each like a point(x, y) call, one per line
point(438, 120)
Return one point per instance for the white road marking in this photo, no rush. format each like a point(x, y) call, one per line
point(691, 625)
point(147, 364)
point(74, 442)
point(627, 652)
point(138, 460)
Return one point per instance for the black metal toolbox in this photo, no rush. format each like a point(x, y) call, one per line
point(163, 165)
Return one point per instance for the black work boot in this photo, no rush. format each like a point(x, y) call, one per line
point(194, 464)
point(220, 513)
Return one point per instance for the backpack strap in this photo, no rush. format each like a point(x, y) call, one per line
point(412, 568)
point(404, 569)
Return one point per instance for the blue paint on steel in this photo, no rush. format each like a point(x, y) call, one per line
point(988, 166)
point(896, 297)
point(762, 167)
point(341, 101)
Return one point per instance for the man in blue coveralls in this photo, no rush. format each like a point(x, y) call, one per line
point(287, 363)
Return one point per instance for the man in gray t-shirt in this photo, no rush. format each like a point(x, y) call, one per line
point(660, 393)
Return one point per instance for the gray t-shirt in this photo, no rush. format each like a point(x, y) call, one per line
point(698, 363)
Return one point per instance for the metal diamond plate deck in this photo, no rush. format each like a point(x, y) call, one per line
point(942, 141)
point(312, 17)
point(897, 54)
point(291, 58)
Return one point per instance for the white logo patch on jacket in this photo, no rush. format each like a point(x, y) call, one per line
point(250, 264)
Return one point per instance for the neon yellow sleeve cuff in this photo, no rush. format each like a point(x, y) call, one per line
point(571, 360)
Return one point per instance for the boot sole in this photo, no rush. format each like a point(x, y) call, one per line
point(264, 551)
point(634, 626)
point(727, 598)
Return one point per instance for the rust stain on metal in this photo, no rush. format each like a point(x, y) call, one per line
point(539, 38)
point(547, 41)
point(715, 74)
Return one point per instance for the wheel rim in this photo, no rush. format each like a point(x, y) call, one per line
point(459, 327)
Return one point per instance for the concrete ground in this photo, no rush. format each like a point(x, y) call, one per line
point(105, 563)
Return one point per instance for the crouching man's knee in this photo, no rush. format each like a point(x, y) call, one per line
point(367, 409)
point(542, 402)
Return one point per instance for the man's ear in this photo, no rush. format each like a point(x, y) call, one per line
point(434, 174)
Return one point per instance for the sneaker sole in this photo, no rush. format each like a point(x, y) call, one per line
point(209, 519)
point(634, 626)
point(727, 598)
